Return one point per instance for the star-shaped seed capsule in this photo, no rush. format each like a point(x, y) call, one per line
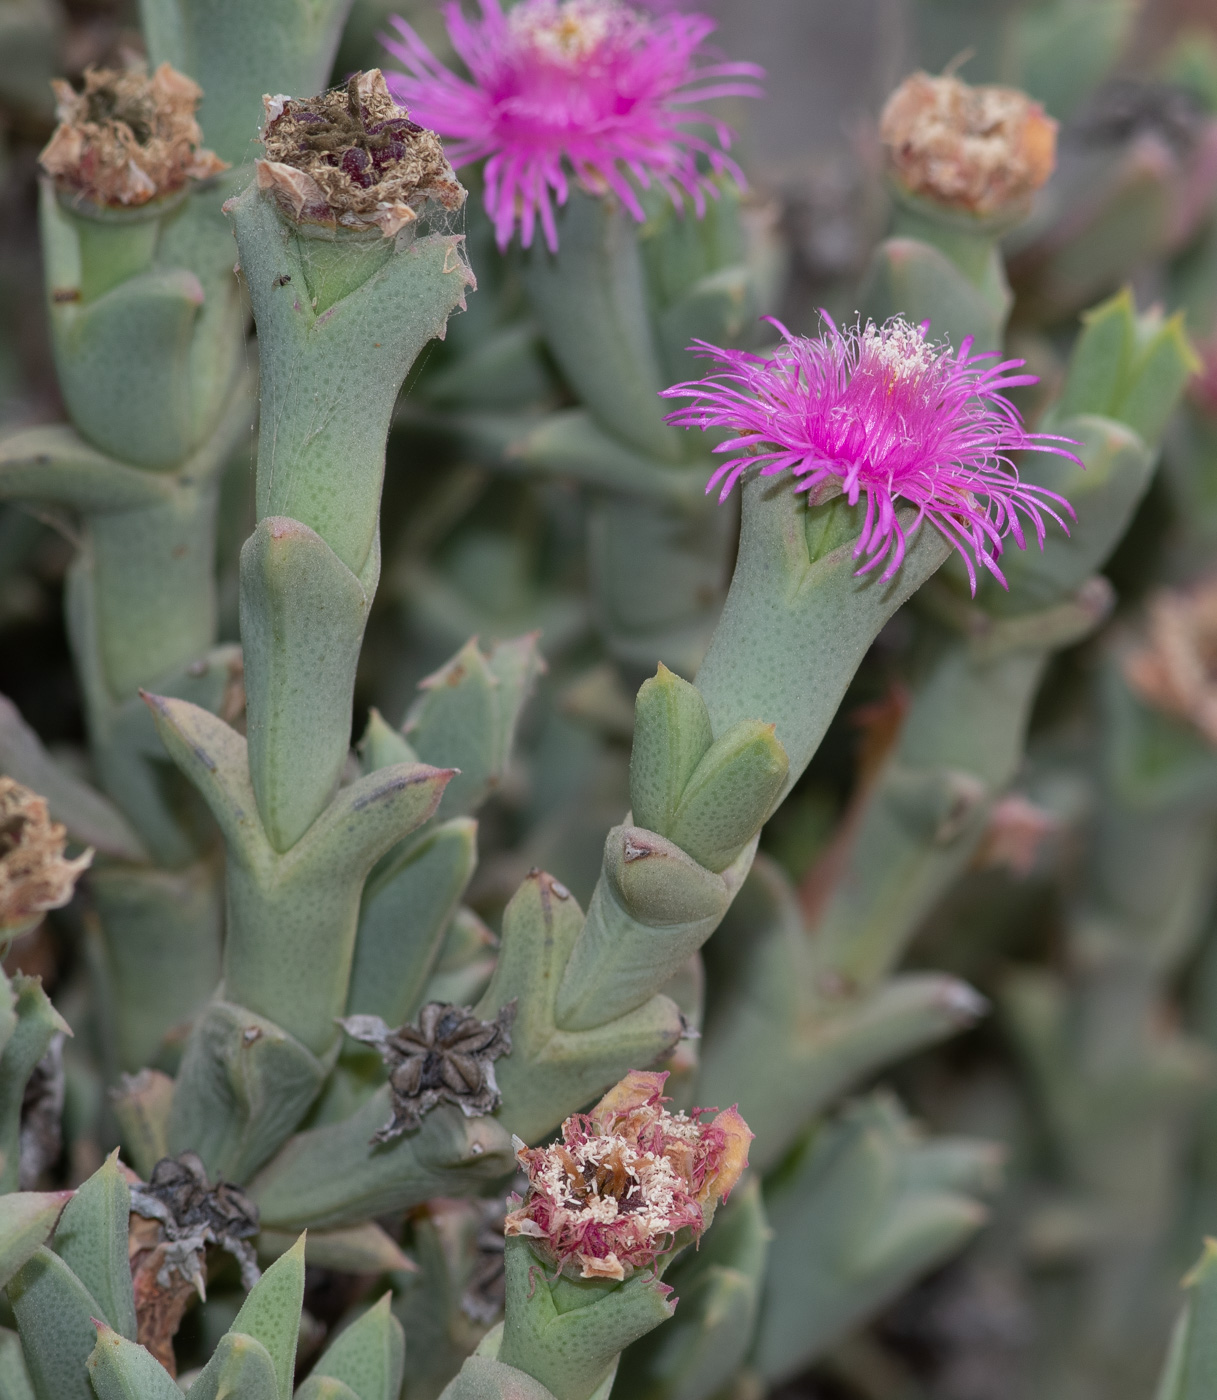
point(447, 1057)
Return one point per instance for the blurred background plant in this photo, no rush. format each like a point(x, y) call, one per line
point(1008, 1210)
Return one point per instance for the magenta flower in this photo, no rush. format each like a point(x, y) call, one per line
point(891, 416)
point(582, 88)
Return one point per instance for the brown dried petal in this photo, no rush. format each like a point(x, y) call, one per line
point(127, 138)
point(34, 876)
point(976, 149)
point(351, 157)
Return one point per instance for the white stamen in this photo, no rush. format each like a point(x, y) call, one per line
point(899, 348)
point(566, 33)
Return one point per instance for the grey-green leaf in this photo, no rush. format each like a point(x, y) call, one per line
point(54, 1313)
point(671, 737)
point(369, 1356)
point(123, 1370)
point(91, 1239)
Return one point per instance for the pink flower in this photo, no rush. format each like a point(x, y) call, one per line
point(588, 88)
point(625, 1179)
point(893, 417)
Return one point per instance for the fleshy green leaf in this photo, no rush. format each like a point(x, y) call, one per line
point(91, 1239)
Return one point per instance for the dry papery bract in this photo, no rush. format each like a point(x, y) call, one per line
point(128, 138)
point(977, 149)
point(353, 158)
point(34, 875)
point(1174, 669)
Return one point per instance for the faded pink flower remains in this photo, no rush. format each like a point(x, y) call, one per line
point(589, 88)
point(626, 1179)
point(893, 417)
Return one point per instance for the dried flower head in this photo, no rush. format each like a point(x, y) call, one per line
point(626, 1179)
point(174, 1218)
point(127, 138)
point(890, 416)
point(447, 1058)
point(978, 149)
point(1174, 668)
point(34, 876)
point(588, 89)
point(352, 157)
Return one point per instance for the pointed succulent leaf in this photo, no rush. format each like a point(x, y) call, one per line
point(357, 1249)
point(142, 1104)
point(1104, 489)
point(1165, 360)
point(1190, 1371)
point(369, 1355)
point(852, 1226)
point(303, 614)
point(466, 961)
point(553, 1070)
point(1102, 358)
point(120, 1369)
point(306, 900)
point(719, 308)
point(913, 279)
point(215, 758)
point(382, 745)
point(798, 619)
point(243, 1085)
point(315, 429)
point(325, 1388)
point(591, 305)
point(270, 1313)
point(54, 1313)
point(26, 1221)
point(240, 1368)
point(651, 910)
point(671, 737)
point(131, 764)
point(166, 962)
point(91, 1239)
point(466, 716)
point(335, 1175)
point(1128, 367)
point(568, 1333)
point(123, 358)
point(37, 1022)
point(54, 464)
point(89, 817)
point(570, 443)
point(15, 1383)
point(719, 1288)
point(407, 906)
point(484, 1378)
point(731, 792)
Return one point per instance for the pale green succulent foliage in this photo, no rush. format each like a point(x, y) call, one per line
point(258, 880)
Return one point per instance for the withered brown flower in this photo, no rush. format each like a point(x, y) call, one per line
point(175, 1216)
point(127, 138)
point(1174, 668)
point(34, 876)
point(353, 158)
point(447, 1058)
point(979, 150)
